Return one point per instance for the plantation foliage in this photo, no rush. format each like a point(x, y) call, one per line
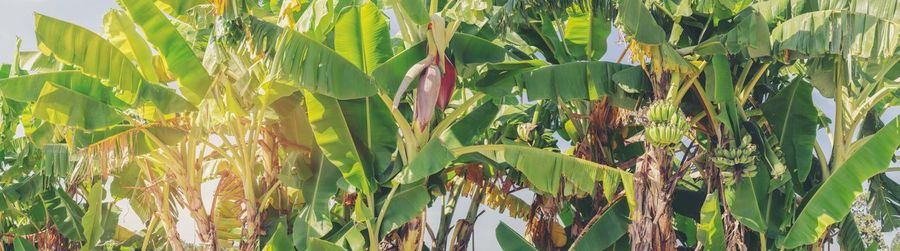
point(335, 124)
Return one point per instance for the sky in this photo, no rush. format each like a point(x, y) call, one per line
point(17, 19)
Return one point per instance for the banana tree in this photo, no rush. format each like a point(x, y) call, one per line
point(859, 74)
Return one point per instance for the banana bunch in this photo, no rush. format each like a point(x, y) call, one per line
point(736, 162)
point(667, 125)
point(661, 111)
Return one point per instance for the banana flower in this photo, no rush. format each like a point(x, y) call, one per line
point(436, 74)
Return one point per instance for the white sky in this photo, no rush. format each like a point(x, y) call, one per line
point(16, 19)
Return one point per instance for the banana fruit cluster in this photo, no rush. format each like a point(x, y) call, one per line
point(736, 162)
point(667, 125)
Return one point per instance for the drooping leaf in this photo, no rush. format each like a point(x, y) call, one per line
point(165, 99)
point(408, 202)
point(750, 34)
point(885, 201)
point(179, 7)
point(849, 236)
point(793, 116)
point(591, 80)
point(333, 135)
point(65, 213)
point(92, 221)
point(544, 169)
point(62, 106)
point(585, 36)
point(140, 142)
point(637, 22)
point(603, 233)
point(279, 240)
point(433, 157)
point(322, 245)
point(313, 221)
point(180, 59)
point(832, 201)
point(371, 124)
point(711, 231)
point(122, 33)
point(464, 131)
point(468, 49)
point(28, 88)
point(837, 32)
point(500, 78)
point(92, 54)
point(687, 226)
point(21, 244)
point(320, 69)
point(744, 201)
point(415, 10)
point(509, 240)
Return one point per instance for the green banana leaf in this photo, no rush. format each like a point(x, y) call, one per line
point(509, 240)
point(62, 106)
point(831, 32)
point(464, 131)
point(65, 213)
point(320, 69)
point(433, 158)
point(180, 59)
point(21, 244)
point(408, 202)
point(122, 33)
point(711, 231)
point(389, 74)
point(92, 221)
point(334, 137)
point(469, 49)
point(415, 10)
point(637, 22)
point(279, 240)
point(831, 202)
point(544, 169)
point(92, 54)
point(322, 245)
point(370, 121)
point(591, 80)
point(751, 35)
point(885, 201)
point(793, 117)
point(585, 36)
point(500, 78)
point(28, 88)
point(361, 36)
point(313, 220)
point(164, 99)
point(606, 230)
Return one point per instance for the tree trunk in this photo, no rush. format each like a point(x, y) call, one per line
point(166, 218)
point(652, 227)
point(206, 230)
point(251, 229)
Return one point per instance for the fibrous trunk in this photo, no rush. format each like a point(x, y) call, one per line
point(651, 227)
point(165, 217)
point(205, 229)
point(251, 220)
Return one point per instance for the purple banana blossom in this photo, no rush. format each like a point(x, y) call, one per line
point(448, 84)
point(427, 95)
